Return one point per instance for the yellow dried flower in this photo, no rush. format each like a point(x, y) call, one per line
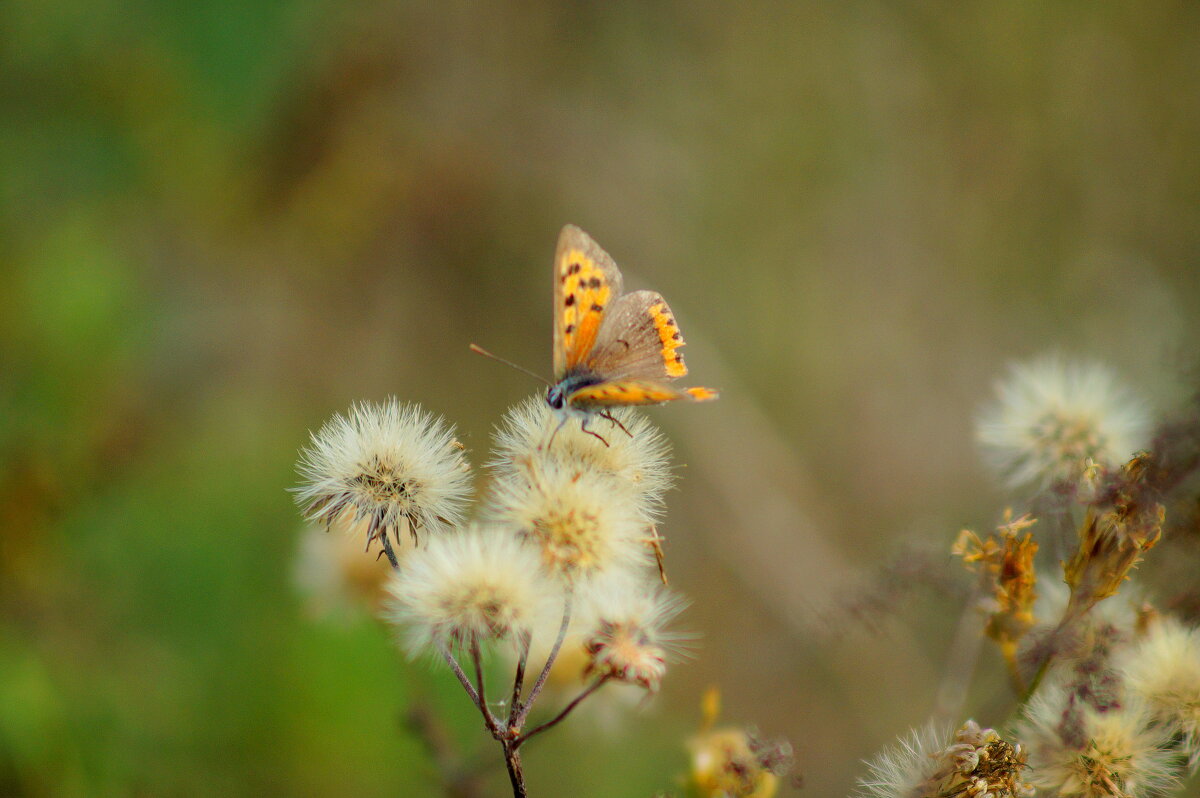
point(1006, 559)
point(732, 762)
point(1115, 533)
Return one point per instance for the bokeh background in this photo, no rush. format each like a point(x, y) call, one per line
point(224, 221)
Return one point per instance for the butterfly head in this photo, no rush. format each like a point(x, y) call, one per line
point(556, 397)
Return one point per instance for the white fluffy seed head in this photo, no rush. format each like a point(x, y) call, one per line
point(1053, 420)
point(974, 761)
point(1078, 751)
point(583, 528)
point(1163, 671)
point(900, 770)
point(390, 466)
point(625, 633)
point(474, 586)
point(530, 437)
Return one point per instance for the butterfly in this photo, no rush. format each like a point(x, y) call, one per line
point(610, 349)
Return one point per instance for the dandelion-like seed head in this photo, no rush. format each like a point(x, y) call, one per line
point(1163, 670)
point(976, 762)
point(391, 466)
point(581, 526)
point(469, 587)
point(1054, 420)
point(1078, 751)
point(627, 640)
point(636, 457)
point(900, 770)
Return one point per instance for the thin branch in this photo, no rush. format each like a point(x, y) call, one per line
point(519, 679)
point(519, 721)
point(593, 687)
point(490, 719)
point(387, 549)
point(462, 677)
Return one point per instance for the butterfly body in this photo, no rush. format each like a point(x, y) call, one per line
point(610, 349)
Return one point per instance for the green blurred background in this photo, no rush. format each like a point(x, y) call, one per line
point(223, 222)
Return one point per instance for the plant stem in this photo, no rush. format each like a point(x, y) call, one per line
point(519, 679)
point(512, 760)
point(519, 720)
point(488, 718)
point(462, 677)
point(387, 549)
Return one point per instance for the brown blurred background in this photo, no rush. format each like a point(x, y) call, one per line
point(223, 222)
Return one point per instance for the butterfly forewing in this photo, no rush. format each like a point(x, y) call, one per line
point(586, 281)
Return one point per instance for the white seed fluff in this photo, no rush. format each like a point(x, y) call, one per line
point(624, 622)
point(474, 586)
point(1078, 751)
point(391, 466)
point(1052, 418)
point(900, 770)
point(638, 462)
point(1163, 671)
point(583, 528)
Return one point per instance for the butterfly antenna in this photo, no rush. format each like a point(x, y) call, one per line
point(479, 350)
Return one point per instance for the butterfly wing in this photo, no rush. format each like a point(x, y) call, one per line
point(613, 393)
point(586, 281)
point(639, 340)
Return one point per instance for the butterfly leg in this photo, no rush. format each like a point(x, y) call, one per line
point(554, 434)
point(583, 426)
point(616, 421)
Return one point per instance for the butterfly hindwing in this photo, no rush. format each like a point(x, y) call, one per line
point(639, 340)
point(634, 392)
point(586, 281)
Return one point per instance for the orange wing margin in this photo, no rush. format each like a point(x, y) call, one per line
point(635, 392)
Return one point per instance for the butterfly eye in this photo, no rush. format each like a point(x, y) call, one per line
point(554, 397)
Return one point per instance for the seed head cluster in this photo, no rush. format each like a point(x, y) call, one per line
point(565, 529)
